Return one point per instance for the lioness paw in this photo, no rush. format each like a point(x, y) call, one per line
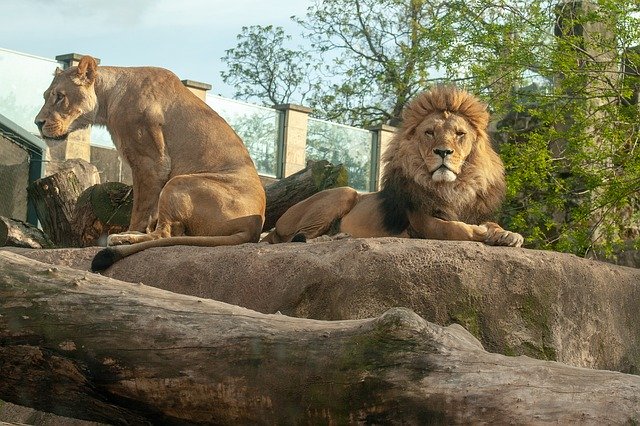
point(128, 237)
point(497, 236)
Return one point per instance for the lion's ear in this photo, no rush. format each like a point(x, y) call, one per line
point(87, 70)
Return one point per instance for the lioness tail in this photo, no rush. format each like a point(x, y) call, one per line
point(105, 258)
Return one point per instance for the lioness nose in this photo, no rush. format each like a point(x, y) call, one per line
point(443, 152)
point(39, 123)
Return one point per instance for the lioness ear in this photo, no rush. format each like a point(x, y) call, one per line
point(58, 71)
point(87, 69)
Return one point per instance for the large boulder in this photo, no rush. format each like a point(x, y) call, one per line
point(546, 305)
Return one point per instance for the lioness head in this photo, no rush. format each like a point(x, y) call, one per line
point(443, 131)
point(70, 101)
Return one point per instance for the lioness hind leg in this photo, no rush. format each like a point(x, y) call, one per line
point(314, 216)
point(199, 205)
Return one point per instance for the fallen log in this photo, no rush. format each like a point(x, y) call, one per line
point(55, 197)
point(91, 347)
point(317, 176)
point(102, 210)
point(16, 233)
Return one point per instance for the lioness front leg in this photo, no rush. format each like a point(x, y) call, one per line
point(489, 232)
point(146, 190)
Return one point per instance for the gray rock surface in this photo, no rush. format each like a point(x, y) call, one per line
point(516, 301)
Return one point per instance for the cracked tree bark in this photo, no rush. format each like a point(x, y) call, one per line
point(86, 346)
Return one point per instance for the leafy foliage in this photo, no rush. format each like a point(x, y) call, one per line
point(263, 69)
point(570, 141)
point(562, 79)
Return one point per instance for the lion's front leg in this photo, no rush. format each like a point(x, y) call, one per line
point(489, 233)
point(498, 236)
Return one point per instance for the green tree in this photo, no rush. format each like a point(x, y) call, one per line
point(570, 140)
point(561, 78)
point(368, 57)
point(263, 69)
point(381, 54)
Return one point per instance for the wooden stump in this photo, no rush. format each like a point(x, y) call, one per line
point(102, 210)
point(55, 197)
point(16, 233)
point(317, 176)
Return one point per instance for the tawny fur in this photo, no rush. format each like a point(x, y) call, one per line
point(478, 191)
point(193, 179)
point(442, 179)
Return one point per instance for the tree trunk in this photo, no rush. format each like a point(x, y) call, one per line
point(16, 233)
point(87, 346)
point(317, 176)
point(102, 210)
point(55, 199)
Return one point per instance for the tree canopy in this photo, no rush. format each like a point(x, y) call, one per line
point(560, 77)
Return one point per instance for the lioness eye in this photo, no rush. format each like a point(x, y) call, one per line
point(59, 97)
point(428, 132)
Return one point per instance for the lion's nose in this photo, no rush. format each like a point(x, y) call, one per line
point(443, 152)
point(39, 123)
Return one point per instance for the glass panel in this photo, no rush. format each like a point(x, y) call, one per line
point(342, 145)
point(23, 80)
point(101, 137)
point(259, 128)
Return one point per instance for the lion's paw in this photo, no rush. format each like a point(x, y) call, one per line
point(497, 236)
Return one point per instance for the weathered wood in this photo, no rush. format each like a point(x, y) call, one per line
point(317, 176)
point(87, 346)
point(16, 233)
point(102, 210)
point(55, 199)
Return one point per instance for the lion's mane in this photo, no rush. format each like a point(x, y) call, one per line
point(478, 190)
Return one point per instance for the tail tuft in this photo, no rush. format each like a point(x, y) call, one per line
point(299, 238)
point(104, 258)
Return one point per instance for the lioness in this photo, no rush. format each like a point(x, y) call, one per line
point(442, 180)
point(193, 179)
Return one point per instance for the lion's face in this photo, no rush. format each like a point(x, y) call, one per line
point(444, 141)
point(69, 102)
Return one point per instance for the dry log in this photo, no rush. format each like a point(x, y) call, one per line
point(102, 210)
point(55, 199)
point(16, 233)
point(317, 176)
point(87, 346)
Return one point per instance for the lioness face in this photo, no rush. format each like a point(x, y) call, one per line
point(445, 140)
point(69, 104)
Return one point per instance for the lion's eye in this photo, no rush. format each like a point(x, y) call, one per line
point(428, 132)
point(460, 133)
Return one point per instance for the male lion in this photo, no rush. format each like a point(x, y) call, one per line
point(193, 179)
point(441, 179)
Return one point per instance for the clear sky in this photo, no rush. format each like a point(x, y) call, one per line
point(186, 36)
